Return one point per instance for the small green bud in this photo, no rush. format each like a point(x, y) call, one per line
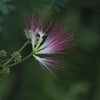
point(3, 53)
point(6, 70)
point(16, 56)
point(27, 33)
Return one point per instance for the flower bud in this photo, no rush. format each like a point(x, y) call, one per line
point(6, 70)
point(3, 53)
point(27, 33)
point(16, 56)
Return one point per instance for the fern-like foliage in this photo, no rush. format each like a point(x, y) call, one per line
point(55, 4)
point(6, 7)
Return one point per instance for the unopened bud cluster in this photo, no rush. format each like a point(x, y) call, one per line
point(16, 56)
point(3, 53)
point(6, 70)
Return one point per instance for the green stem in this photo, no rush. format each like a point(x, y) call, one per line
point(21, 60)
point(24, 46)
point(18, 51)
point(39, 42)
point(51, 4)
point(7, 62)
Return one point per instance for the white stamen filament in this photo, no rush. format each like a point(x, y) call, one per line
point(36, 57)
point(38, 44)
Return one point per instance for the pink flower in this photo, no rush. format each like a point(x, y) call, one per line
point(50, 63)
point(51, 39)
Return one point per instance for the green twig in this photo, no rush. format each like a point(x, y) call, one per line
point(24, 46)
point(18, 51)
point(21, 60)
point(8, 61)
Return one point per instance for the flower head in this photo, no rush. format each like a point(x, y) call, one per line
point(3, 53)
point(16, 56)
point(51, 39)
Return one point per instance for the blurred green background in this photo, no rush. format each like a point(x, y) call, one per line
point(27, 80)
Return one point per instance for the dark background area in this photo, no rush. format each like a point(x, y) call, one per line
point(27, 80)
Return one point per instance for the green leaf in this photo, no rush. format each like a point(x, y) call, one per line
point(46, 3)
point(56, 7)
point(55, 4)
point(60, 3)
